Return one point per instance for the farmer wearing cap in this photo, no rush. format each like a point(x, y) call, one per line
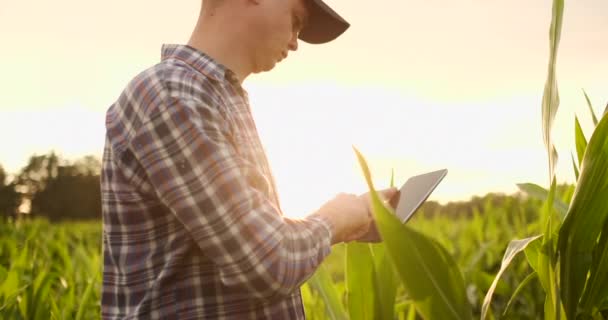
point(192, 226)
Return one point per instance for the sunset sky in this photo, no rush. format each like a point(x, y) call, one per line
point(416, 85)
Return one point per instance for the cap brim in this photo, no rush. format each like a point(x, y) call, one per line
point(324, 24)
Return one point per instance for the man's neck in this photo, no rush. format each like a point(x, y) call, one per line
point(218, 41)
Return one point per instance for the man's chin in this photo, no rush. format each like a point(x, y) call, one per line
point(266, 67)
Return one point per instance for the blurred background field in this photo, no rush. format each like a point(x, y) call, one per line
point(53, 270)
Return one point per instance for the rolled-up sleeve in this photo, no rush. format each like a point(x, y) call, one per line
point(198, 174)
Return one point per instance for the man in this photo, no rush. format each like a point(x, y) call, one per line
point(192, 223)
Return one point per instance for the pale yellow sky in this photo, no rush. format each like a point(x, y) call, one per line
point(417, 85)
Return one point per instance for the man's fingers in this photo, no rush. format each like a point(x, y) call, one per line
point(389, 196)
point(384, 194)
point(389, 193)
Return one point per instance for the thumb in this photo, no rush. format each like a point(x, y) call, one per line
point(391, 196)
point(387, 194)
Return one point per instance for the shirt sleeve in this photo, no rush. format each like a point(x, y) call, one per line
point(197, 173)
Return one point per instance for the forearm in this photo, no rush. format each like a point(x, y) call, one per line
point(282, 260)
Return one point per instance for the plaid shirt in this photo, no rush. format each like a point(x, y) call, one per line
point(192, 226)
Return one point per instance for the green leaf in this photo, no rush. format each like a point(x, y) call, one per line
point(411, 314)
point(42, 285)
point(593, 117)
point(550, 101)
point(55, 313)
point(69, 301)
point(3, 274)
point(547, 258)
point(428, 272)
point(575, 167)
point(85, 298)
point(604, 305)
point(540, 193)
point(385, 284)
point(532, 252)
point(9, 301)
point(586, 217)
point(540, 255)
point(515, 247)
point(360, 281)
point(523, 283)
point(483, 281)
point(322, 283)
point(581, 141)
point(12, 281)
point(596, 290)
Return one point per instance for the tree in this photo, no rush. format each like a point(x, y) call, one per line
point(9, 197)
point(60, 190)
point(69, 195)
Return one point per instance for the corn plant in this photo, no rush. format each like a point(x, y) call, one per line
point(50, 272)
point(432, 281)
point(571, 258)
point(431, 277)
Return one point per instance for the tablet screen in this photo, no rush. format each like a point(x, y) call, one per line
point(415, 191)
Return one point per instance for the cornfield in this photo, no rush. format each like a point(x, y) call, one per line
point(542, 254)
point(53, 271)
point(50, 271)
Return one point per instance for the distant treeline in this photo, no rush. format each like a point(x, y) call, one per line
point(52, 187)
point(509, 203)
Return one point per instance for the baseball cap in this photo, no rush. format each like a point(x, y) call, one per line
point(324, 24)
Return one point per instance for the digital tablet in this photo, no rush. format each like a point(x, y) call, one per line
point(415, 191)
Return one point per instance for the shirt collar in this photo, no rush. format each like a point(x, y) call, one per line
point(198, 60)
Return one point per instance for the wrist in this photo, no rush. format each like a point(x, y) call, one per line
point(330, 225)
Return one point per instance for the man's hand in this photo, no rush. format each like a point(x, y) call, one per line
point(391, 197)
point(350, 215)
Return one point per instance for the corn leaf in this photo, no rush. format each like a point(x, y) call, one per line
point(322, 283)
point(540, 193)
point(42, 285)
point(596, 290)
point(547, 258)
point(581, 141)
point(540, 257)
point(532, 251)
point(515, 247)
point(523, 283)
point(428, 272)
point(85, 297)
point(550, 102)
point(385, 284)
point(593, 117)
point(12, 281)
point(411, 314)
point(585, 219)
point(386, 280)
point(360, 280)
point(55, 313)
point(575, 167)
